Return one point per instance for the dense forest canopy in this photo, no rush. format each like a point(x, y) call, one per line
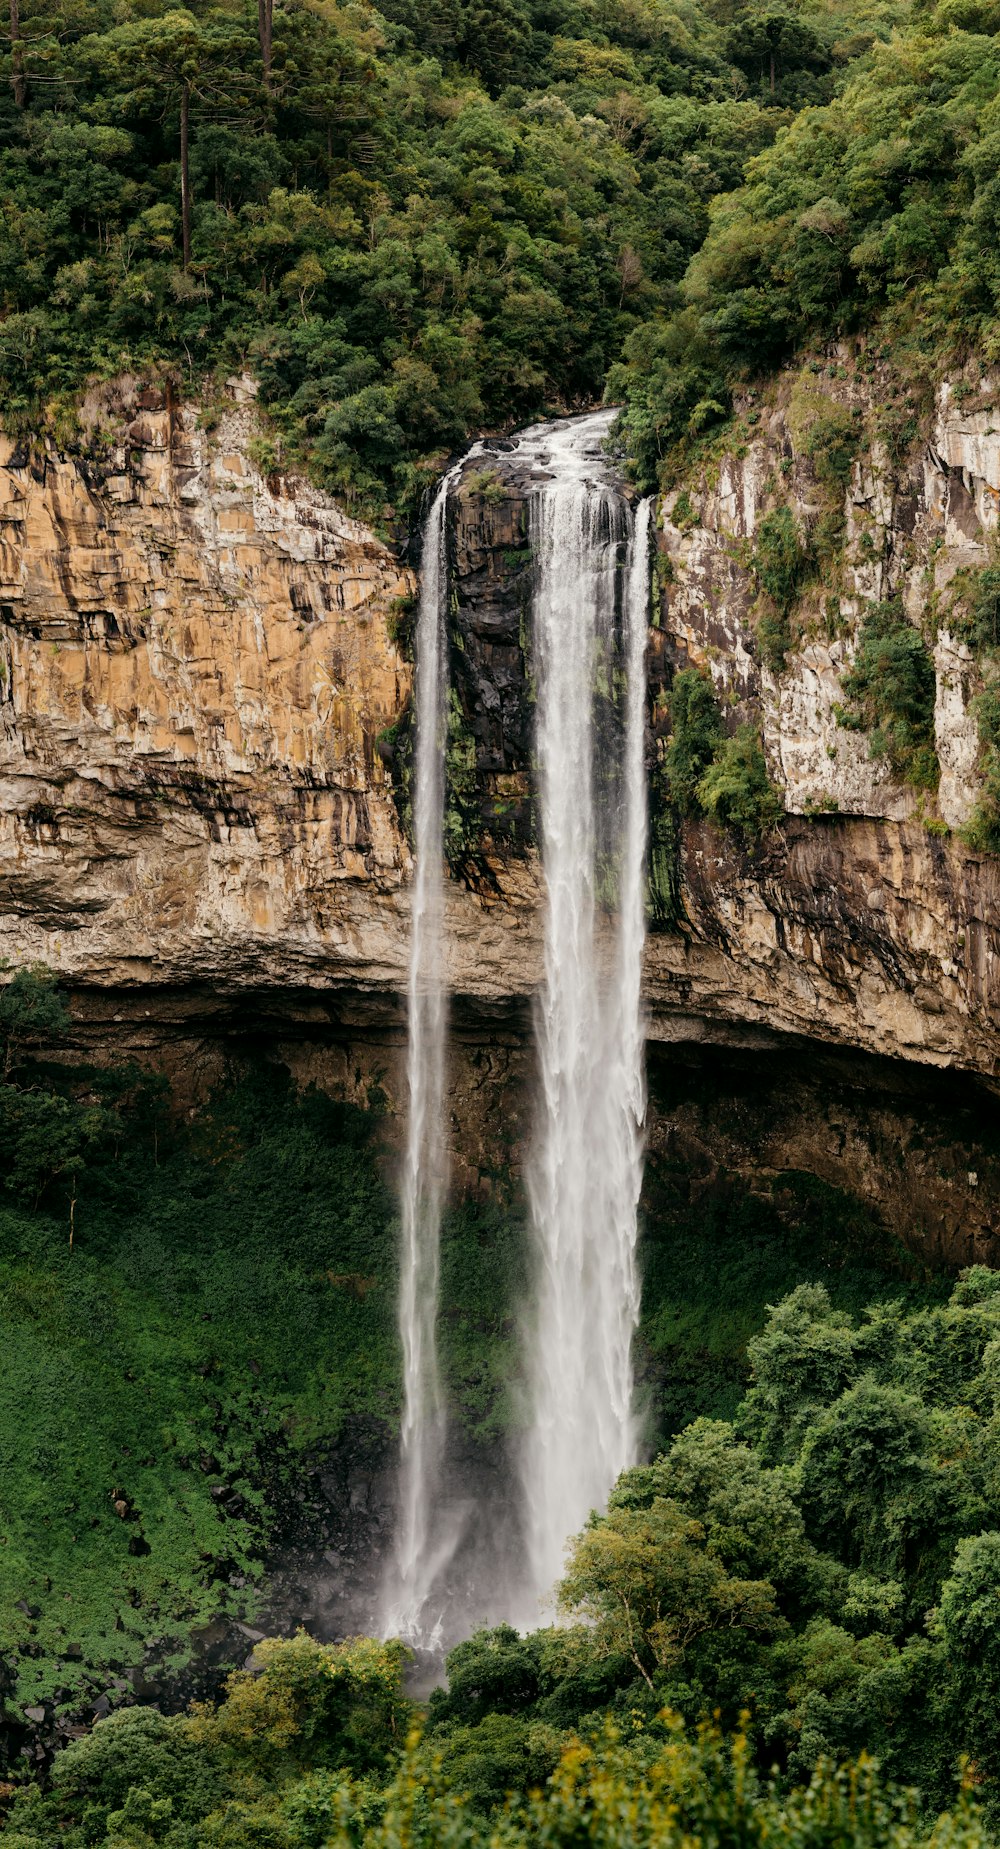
point(880, 206)
point(412, 223)
point(819, 1575)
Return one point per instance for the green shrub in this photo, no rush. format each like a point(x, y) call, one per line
point(779, 563)
point(774, 639)
point(779, 558)
point(982, 831)
point(695, 732)
point(890, 690)
point(736, 790)
point(984, 626)
point(832, 444)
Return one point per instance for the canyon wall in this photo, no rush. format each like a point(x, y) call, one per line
point(205, 695)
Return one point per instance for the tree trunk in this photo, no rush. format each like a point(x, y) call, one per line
point(19, 83)
point(772, 73)
point(185, 178)
point(265, 22)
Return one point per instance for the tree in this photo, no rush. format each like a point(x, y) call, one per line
point(647, 1582)
point(178, 62)
point(492, 1669)
point(33, 1012)
point(18, 81)
point(768, 44)
point(967, 1620)
point(801, 1362)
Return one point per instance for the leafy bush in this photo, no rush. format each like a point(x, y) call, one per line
point(984, 626)
point(982, 831)
point(222, 1774)
point(832, 444)
point(779, 564)
point(703, 772)
point(779, 558)
point(736, 790)
point(891, 691)
point(695, 733)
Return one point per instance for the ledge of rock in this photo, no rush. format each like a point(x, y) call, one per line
point(200, 668)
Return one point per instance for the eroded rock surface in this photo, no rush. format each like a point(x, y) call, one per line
point(864, 919)
point(201, 806)
point(197, 667)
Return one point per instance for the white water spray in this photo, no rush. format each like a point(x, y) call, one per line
point(416, 1561)
point(586, 1170)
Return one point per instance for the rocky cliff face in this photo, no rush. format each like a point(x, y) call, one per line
point(197, 665)
point(864, 920)
point(203, 749)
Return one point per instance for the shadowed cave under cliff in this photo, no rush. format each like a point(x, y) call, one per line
point(239, 1389)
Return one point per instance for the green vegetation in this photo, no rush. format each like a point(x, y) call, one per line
point(737, 791)
point(406, 223)
point(163, 1377)
point(878, 207)
point(694, 1335)
point(227, 1302)
point(702, 772)
point(982, 832)
point(463, 819)
point(227, 1309)
point(308, 1754)
point(695, 736)
point(826, 1563)
point(832, 445)
point(984, 629)
point(779, 564)
point(816, 1580)
point(890, 690)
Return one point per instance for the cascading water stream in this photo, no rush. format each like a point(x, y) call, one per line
point(586, 1169)
point(416, 1560)
point(589, 636)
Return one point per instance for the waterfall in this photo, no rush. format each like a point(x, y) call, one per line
point(589, 637)
point(416, 1563)
point(589, 633)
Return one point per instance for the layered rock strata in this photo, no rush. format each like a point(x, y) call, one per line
point(203, 753)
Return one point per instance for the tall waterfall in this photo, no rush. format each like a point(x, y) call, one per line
point(415, 1563)
point(585, 1173)
point(589, 636)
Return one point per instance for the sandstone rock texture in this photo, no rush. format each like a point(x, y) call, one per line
point(196, 668)
point(203, 703)
point(863, 920)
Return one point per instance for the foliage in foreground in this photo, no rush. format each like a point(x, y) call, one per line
point(821, 1577)
point(307, 1753)
point(829, 1564)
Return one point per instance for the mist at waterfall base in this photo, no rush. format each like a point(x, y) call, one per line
point(466, 1553)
